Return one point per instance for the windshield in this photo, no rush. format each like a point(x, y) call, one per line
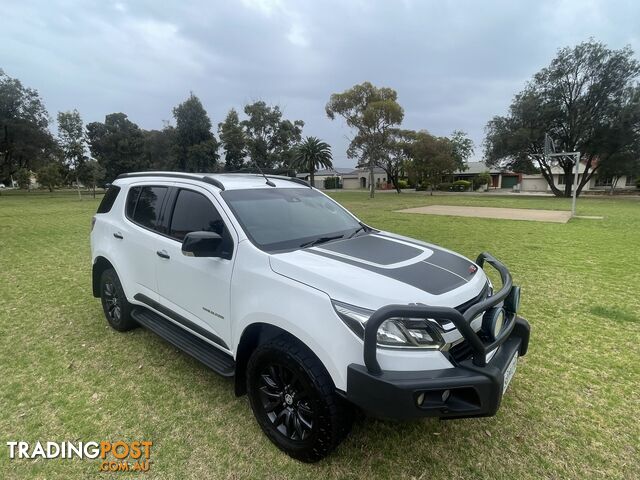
point(288, 218)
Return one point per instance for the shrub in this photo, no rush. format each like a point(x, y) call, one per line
point(638, 183)
point(461, 185)
point(403, 184)
point(331, 183)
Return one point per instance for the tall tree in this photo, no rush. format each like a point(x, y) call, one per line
point(270, 139)
point(373, 112)
point(158, 150)
point(432, 158)
point(91, 174)
point(50, 175)
point(233, 141)
point(586, 99)
point(312, 154)
point(117, 144)
point(462, 148)
point(196, 146)
point(397, 152)
point(71, 141)
point(25, 140)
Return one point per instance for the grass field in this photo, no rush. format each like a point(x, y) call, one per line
point(572, 410)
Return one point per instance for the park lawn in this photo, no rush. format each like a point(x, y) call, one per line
point(571, 411)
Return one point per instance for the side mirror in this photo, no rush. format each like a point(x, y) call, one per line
point(201, 244)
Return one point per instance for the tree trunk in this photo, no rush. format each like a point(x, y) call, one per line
point(311, 175)
point(372, 186)
point(78, 187)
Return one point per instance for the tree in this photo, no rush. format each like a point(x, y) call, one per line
point(398, 151)
point(233, 141)
point(586, 99)
point(270, 139)
point(196, 146)
point(71, 141)
point(91, 173)
point(25, 141)
point(23, 177)
point(462, 148)
point(158, 149)
point(50, 175)
point(432, 158)
point(117, 144)
point(372, 112)
point(312, 154)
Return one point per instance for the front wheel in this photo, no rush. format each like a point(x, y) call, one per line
point(294, 400)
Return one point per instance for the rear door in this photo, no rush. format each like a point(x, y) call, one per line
point(197, 289)
point(138, 236)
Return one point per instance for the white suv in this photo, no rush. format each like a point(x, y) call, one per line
point(312, 311)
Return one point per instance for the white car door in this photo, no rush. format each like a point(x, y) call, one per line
point(197, 289)
point(136, 238)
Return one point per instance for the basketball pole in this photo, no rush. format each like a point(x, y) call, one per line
point(575, 184)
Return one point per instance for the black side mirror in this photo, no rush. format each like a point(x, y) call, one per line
point(202, 244)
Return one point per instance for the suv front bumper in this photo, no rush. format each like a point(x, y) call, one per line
point(473, 391)
point(471, 388)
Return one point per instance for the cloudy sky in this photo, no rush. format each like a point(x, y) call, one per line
point(454, 64)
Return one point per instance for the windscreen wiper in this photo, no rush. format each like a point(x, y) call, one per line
point(359, 229)
point(320, 240)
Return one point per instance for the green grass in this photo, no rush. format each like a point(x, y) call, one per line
point(571, 411)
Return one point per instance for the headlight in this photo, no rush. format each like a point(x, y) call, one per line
point(394, 332)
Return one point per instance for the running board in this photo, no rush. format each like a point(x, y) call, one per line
point(218, 361)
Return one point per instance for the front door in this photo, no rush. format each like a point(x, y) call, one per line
point(196, 288)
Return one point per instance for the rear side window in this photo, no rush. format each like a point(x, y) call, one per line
point(144, 204)
point(193, 212)
point(108, 199)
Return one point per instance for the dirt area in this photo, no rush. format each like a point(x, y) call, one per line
point(556, 216)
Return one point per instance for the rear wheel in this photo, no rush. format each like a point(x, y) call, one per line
point(114, 302)
point(294, 400)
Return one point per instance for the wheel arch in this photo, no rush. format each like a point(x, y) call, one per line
point(252, 336)
point(100, 264)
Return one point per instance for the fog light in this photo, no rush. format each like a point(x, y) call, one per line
point(420, 399)
point(493, 321)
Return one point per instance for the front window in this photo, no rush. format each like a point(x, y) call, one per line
point(288, 218)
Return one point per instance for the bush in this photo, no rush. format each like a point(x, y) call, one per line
point(638, 183)
point(461, 185)
point(403, 184)
point(331, 183)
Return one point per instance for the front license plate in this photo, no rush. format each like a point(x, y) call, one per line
point(508, 374)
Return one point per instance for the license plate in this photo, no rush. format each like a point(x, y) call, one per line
point(508, 374)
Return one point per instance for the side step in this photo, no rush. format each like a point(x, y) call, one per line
point(206, 353)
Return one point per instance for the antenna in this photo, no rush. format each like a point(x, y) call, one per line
point(269, 182)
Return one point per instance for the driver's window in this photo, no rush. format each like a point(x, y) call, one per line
point(193, 212)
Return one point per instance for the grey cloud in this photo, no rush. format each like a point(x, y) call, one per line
point(454, 64)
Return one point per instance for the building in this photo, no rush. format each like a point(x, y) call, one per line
point(499, 178)
point(537, 182)
point(350, 179)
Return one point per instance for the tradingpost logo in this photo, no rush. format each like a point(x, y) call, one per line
point(117, 456)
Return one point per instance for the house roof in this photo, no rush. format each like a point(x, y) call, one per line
point(474, 168)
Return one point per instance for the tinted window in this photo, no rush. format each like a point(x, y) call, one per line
point(147, 208)
point(285, 218)
point(132, 199)
point(108, 199)
point(193, 212)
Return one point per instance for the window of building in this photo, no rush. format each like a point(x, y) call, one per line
point(604, 181)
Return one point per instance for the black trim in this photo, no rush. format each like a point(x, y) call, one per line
point(214, 358)
point(473, 391)
point(180, 319)
point(291, 179)
point(191, 176)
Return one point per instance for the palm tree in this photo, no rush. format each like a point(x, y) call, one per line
point(312, 154)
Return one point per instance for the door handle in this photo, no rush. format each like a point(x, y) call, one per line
point(118, 235)
point(162, 254)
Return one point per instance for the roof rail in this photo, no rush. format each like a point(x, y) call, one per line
point(192, 176)
point(291, 179)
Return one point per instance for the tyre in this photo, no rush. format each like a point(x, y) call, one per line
point(114, 302)
point(294, 400)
